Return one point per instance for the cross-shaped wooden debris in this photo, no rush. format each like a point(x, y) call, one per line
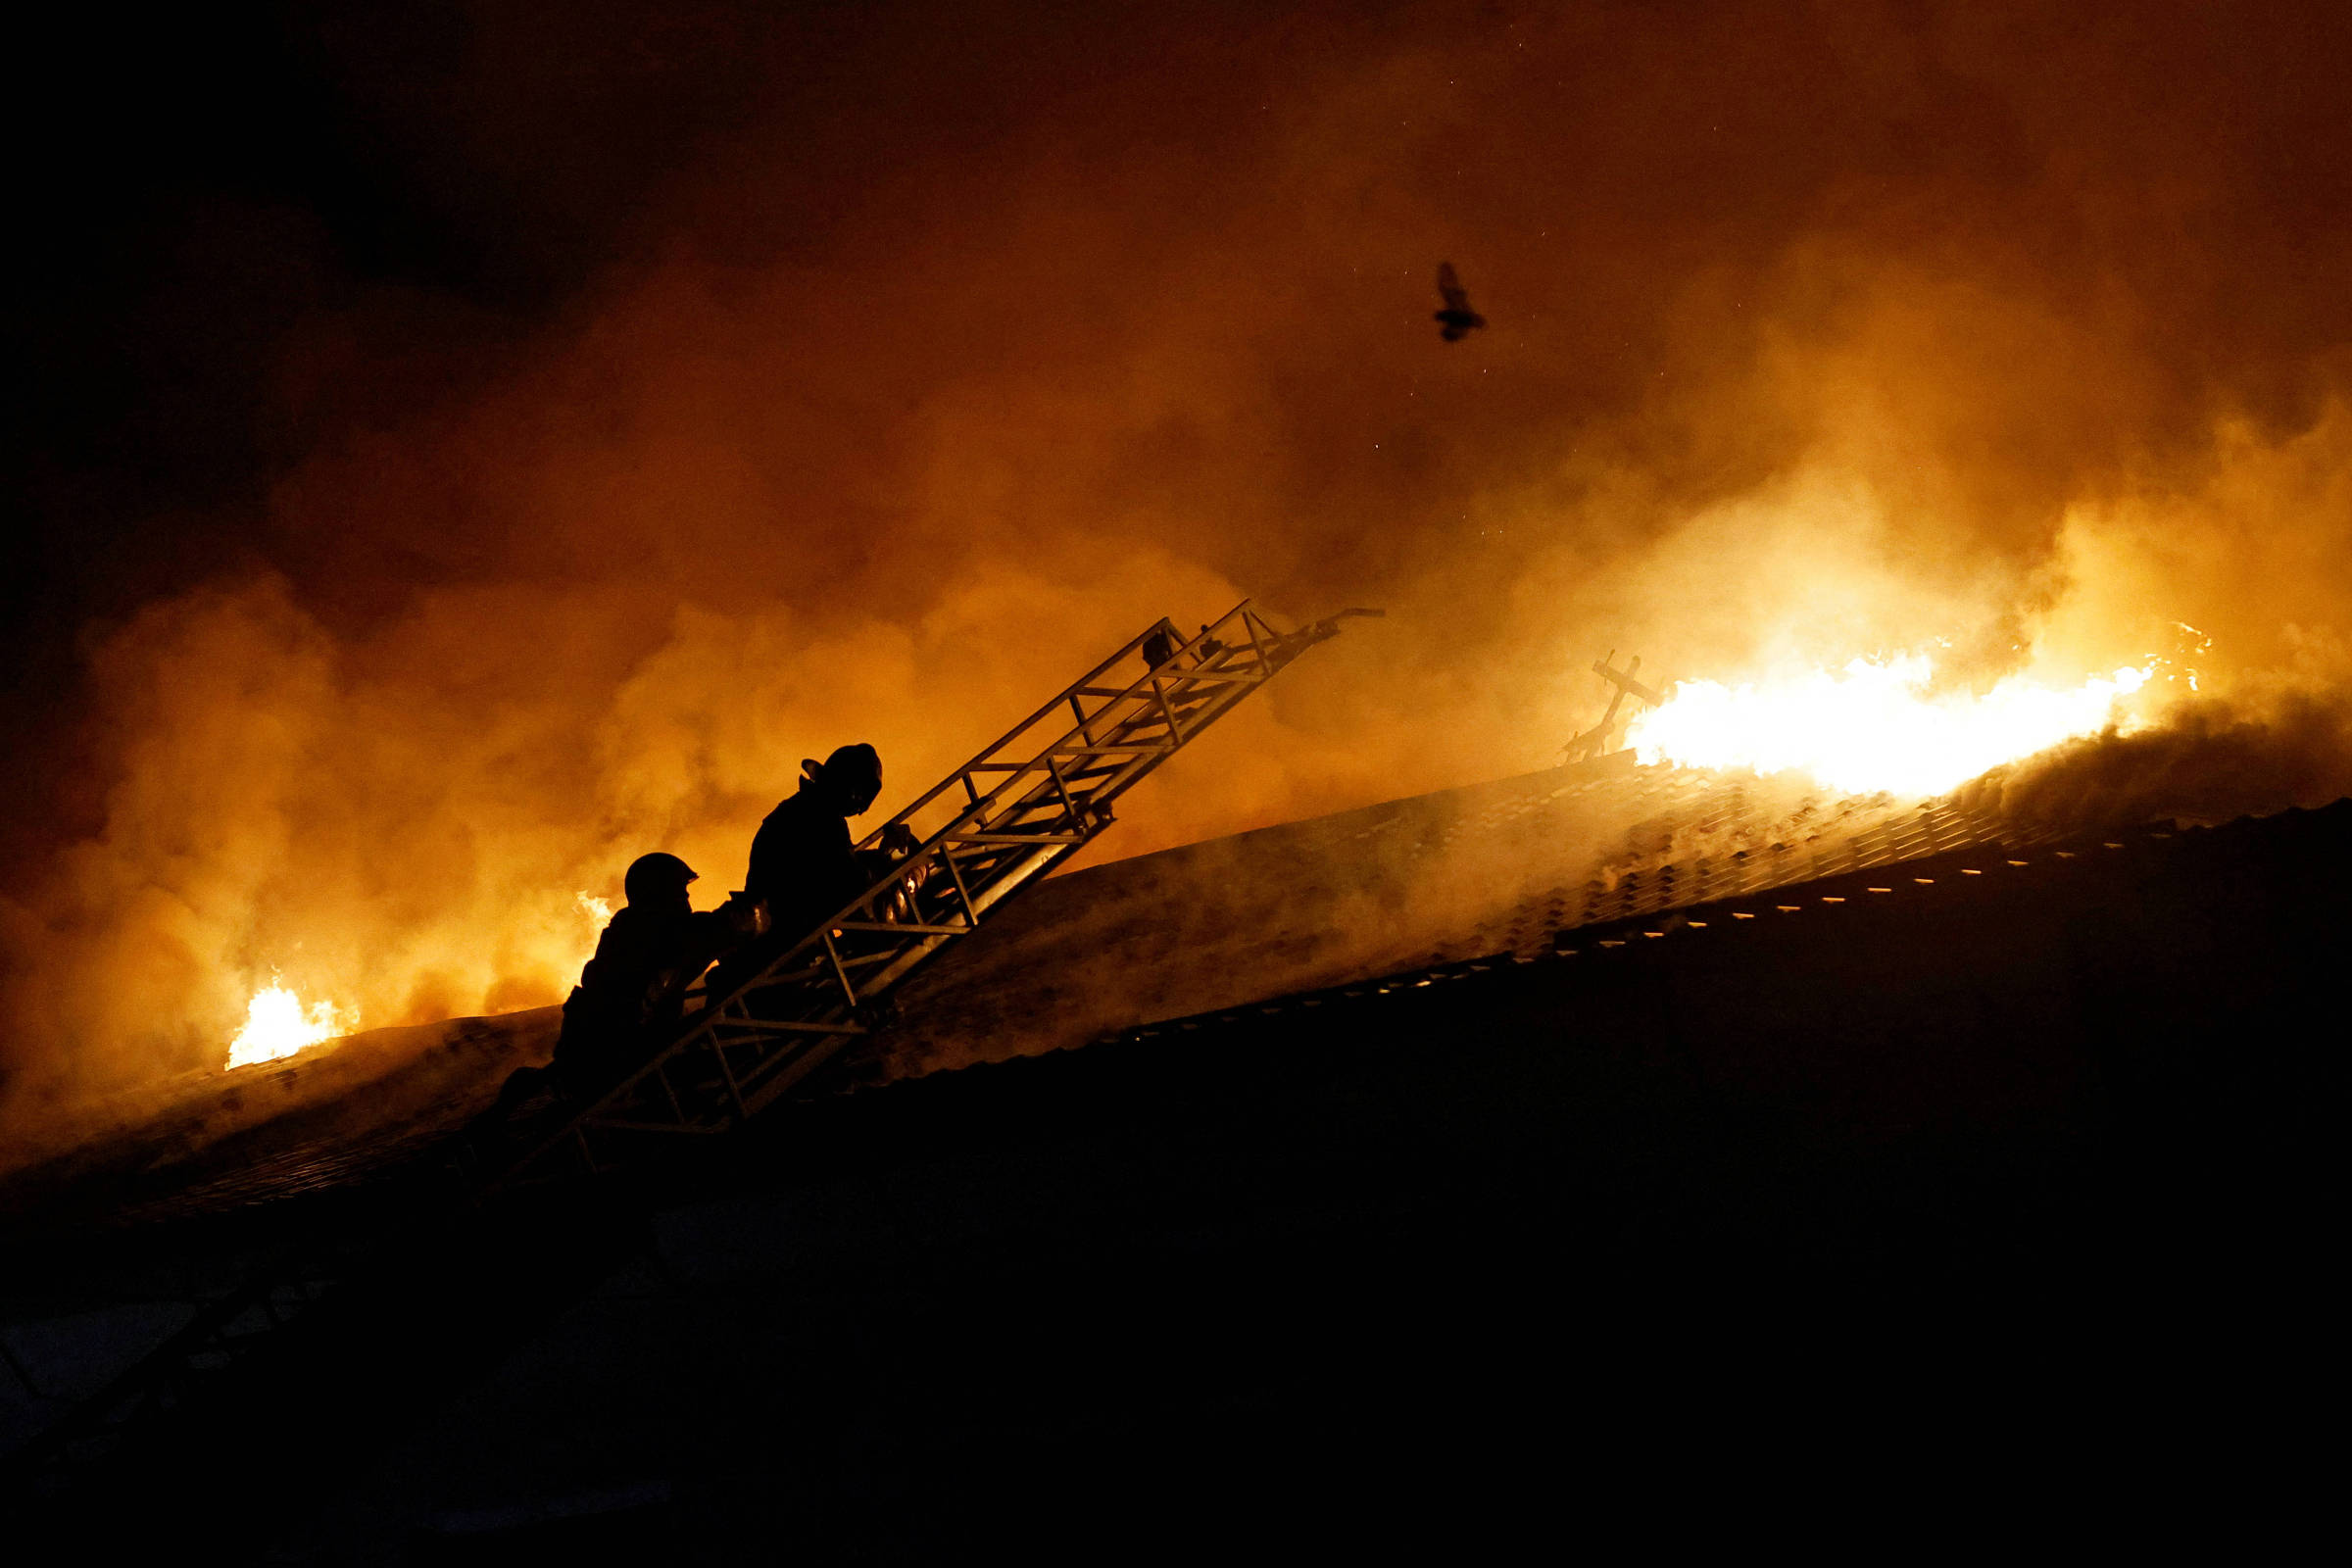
point(1594, 742)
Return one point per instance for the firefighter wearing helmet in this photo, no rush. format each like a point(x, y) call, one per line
point(629, 995)
point(802, 866)
point(634, 989)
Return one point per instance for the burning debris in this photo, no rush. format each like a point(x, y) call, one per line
point(1602, 737)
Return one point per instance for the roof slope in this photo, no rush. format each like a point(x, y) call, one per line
point(1994, 1111)
point(1462, 873)
point(1454, 875)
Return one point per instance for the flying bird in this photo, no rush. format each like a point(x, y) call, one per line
point(1457, 320)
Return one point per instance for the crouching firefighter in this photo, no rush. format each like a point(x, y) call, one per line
point(633, 993)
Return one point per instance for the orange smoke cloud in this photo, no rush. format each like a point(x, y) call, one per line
point(929, 377)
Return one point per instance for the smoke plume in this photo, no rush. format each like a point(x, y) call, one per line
point(807, 380)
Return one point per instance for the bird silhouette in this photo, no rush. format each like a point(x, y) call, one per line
point(1457, 320)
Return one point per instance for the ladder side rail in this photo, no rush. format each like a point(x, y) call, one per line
point(1170, 679)
point(1092, 796)
point(1015, 781)
point(1095, 792)
point(1053, 853)
point(996, 880)
point(1173, 672)
point(1236, 667)
point(1121, 742)
point(1054, 786)
point(708, 1026)
point(978, 882)
point(996, 872)
point(1033, 786)
point(982, 757)
point(791, 1072)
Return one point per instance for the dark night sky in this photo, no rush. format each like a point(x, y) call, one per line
point(203, 183)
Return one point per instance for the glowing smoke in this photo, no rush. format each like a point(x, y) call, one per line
point(948, 356)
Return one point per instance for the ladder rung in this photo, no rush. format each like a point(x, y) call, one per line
point(1035, 809)
point(820, 971)
point(1166, 678)
point(787, 1026)
point(1015, 838)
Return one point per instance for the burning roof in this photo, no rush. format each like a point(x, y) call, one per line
point(1919, 1100)
point(1433, 880)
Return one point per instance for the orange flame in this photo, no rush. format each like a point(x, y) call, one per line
point(1874, 727)
point(276, 1025)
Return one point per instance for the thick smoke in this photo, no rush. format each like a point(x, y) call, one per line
point(954, 348)
point(2208, 762)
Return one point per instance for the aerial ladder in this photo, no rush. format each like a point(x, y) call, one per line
point(1012, 812)
point(997, 823)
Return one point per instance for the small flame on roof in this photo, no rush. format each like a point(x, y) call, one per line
point(278, 1025)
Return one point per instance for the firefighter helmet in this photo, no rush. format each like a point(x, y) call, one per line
point(852, 775)
point(656, 878)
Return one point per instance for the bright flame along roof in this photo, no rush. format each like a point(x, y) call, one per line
point(1872, 727)
point(276, 1025)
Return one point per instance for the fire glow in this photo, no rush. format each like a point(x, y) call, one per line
point(276, 1025)
point(1872, 727)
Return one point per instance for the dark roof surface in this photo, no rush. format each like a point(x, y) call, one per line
point(1493, 869)
point(1995, 1104)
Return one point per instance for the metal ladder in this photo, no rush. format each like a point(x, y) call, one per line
point(1020, 807)
point(1017, 809)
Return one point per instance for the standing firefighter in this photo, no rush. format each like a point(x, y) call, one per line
point(804, 866)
